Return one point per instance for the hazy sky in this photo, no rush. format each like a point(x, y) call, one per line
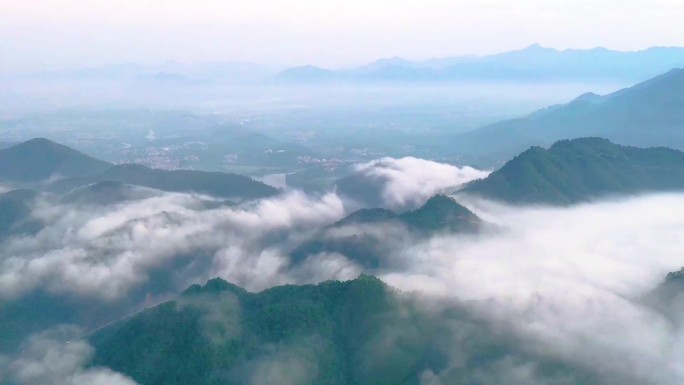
point(36, 33)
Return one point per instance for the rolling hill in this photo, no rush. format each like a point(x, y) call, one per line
point(578, 170)
point(39, 159)
point(217, 184)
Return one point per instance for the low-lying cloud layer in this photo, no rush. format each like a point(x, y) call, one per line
point(103, 252)
point(569, 280)
point(408, 182)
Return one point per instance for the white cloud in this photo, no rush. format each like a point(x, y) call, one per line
point(408, 182)
point(58, 357)
point(569, 280)
point(566, 281)
point(105, 252)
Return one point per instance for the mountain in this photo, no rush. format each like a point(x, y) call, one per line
point(359, 236)
point(534, 63)
point(38, 160)
point(648, 114)
point(578, 170)
point(367, 216)
point(385, 63)
point(217, 184)
point(307, 74)
point(598, 64)
point(667, 297)
point(441, 214)
point(359, 332)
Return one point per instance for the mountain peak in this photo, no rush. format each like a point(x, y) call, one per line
point(40, 141)
point(440, 199)
point(573, 171)
point(593, 141)
point(589, 97)
point(43, 144)
point(536, 47)
point(216, 285)
point(442, 213)
point(39, 159)
point(366, 216)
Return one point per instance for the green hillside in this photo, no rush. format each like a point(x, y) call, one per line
point(40, 159)
point(217, 184)
point(359, 332)
point(439, 214)
point(579, 170)
point(650, 113)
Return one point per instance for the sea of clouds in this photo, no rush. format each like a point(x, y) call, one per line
point(570, 281)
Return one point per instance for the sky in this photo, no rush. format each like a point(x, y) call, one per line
point(37, 34)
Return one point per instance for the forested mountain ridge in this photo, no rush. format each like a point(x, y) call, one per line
point(650, 113)
point(578, 170)
point(334, 333)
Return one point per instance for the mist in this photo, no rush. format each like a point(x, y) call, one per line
point(57, 357)
point(103, 252)
point(569, 281)
point(285, 193)
point(408, 182)
point(229, 91)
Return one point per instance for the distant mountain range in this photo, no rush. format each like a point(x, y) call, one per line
point(358, 237)
point(650, 113)
point(534, 63)
point(42, 164)
point(579, 170)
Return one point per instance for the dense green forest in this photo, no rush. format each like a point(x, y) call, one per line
point(579, 170)
point(355, 332)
